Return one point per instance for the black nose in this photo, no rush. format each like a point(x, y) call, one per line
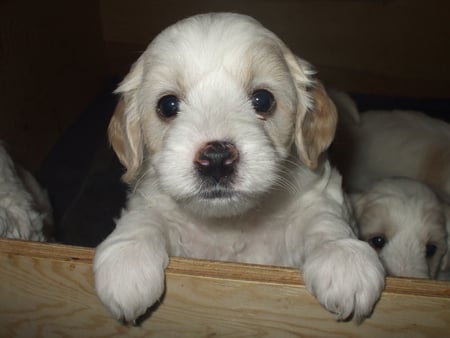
point(217, 160)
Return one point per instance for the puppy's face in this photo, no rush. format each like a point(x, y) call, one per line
point(213, 108)
point(403, 220)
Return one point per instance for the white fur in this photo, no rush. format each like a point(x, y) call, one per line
point(24, 205)
point(381, 144)
point(445, 264)
point(377, 145)
point(278, 210)
point(409, 216)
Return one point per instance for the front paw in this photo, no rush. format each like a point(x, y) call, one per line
point(129, 277)
point(346, 276)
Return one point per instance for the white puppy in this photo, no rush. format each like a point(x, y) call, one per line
point(376, 145)
point(221, 129)
point(379, 144)
point(25, 210)
point(445, 265)
point(405, 223)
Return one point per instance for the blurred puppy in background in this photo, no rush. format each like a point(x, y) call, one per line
point(405, 222)
point(379, 144)
point(25, 210)
point(404, 219)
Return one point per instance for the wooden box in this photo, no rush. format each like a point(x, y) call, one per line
point(57, 54)
point(46, 290)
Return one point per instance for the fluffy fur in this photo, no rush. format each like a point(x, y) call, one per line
point(408, 216)
point(25, 210)
point(379, 144)
point(282, 204)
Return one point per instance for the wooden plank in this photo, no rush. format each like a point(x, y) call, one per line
point(46, 290)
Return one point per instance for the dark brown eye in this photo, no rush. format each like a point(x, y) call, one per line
point(263, 101)
point(168, 106)
point(377, 242)
point(430, 250)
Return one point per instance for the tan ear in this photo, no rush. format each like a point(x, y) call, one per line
point(115, 133)
point(124, 128)
point(316, 118)
point(315, 131)
point(125, 137)
point(357, 202)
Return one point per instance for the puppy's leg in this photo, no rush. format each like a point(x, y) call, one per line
point(129, 266)
point(344, 273)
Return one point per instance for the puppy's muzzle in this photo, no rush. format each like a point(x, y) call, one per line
point(216, 162)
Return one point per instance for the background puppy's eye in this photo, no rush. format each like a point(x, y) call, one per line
point(430, 250)
point(263, 101)
point(168, 106)
point(377, 242)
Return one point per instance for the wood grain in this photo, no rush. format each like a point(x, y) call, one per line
point(46, 290)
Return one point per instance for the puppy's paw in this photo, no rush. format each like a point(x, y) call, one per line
point(129, 277)
point(346, 276)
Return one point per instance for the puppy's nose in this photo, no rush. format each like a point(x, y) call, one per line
point(217, 160)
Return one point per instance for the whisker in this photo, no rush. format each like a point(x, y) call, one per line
point(285, 179)
point(142, 176)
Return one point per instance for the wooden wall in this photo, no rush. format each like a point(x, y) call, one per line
point(51, 66)
point(53, 60)
point(54, 56)
point(396, 47)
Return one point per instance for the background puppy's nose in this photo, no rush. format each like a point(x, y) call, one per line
point(217, 160)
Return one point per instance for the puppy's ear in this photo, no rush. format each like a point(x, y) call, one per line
point(124, 129)
point(318, 126)
point(316, 114)
point(357, 202)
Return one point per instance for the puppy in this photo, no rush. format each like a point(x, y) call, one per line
point(405, 223)
point(376, 145)
point(445, 265)
point(380, 144)
point(25, 210)
point(222, 130)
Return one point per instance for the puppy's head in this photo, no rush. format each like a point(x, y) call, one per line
point(213, 108)
point(404, 221)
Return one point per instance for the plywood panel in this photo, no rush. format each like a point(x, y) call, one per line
point(47, 291)
point(397, 47)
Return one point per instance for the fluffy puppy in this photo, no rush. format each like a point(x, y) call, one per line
point(445, 265)
point(25, 210)
point(405, 223)
point(221, 129)
point(380, 144)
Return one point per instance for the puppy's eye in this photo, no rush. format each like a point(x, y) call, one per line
point(377, 242)
point(263, 101)
point(430, 250)
point(168, 106)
